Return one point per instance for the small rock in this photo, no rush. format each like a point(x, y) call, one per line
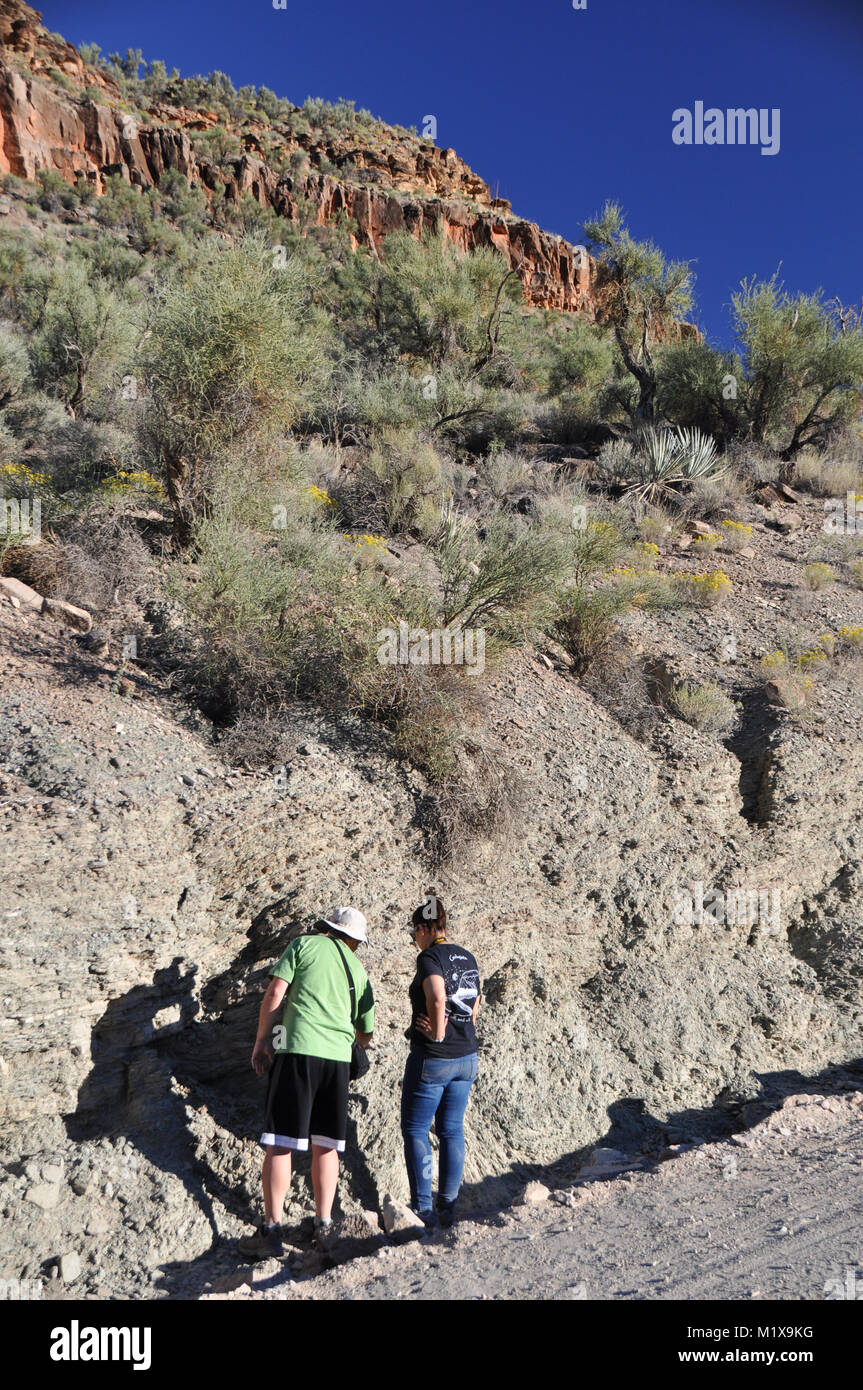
point(44, 1195)
point(67, 613)
point(97, 1226)
point(52, 1173)
point(70, 1267)
point(535, 1194)
point(27, 597)
point(399, 1221)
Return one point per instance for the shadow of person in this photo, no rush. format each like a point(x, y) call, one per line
point(128, 1091)
point(638, 1134)
point(170, 1071)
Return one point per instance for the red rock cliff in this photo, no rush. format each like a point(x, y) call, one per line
point(56, 112)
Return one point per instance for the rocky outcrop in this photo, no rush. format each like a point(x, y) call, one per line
point(148, 887)
point(398, 184)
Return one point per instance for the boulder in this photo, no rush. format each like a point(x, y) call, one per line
point(535, 1194)
point(67, 613)
point(399, 1221)
point(25, 596)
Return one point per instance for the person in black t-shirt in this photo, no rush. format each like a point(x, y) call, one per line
point(442, 1062)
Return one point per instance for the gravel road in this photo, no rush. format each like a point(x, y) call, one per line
point(776, 1213)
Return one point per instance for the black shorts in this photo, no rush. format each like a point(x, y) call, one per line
point(307, 1098)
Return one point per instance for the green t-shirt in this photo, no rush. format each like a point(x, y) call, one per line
point(317, 1013)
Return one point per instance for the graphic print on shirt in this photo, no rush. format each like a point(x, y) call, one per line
point(462, 987)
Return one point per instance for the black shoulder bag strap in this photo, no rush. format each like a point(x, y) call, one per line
point(359, 1057)
point(350, 982)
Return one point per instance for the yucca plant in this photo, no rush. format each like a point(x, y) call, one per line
point(664, 458)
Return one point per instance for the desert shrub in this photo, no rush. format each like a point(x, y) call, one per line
point(585, 623)
point(398, 487)
point(595, 547)
point(55, 193)
point(361, 406)
point(615, 465)
point(234, 350)
point(109, 258)
point(705, 590)
point(698, 386)
point(644, 588)
point(735, 535)
point(818, 576)
point(14, 366)
point(705, 545)
point(502, 580)
point(656, 526)
point(705, 707)
point(826, 475)
point(857, 571)
point(803, 365)
point(83, 342)
point(709, 498)
point(504, 471)
point(102, 564)
point(81, 454)
point(645, 555)
point(786, 683)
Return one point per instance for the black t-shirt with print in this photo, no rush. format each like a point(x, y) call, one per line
point(460, 974)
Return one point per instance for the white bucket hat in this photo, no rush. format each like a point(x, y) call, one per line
point(347, 920)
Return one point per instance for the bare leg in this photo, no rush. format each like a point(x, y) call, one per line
point(325, 1176)
point(276, 1179)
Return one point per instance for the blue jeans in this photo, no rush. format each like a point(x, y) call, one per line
point(435, 1088)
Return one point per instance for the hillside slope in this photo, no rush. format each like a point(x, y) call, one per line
point(148, 886)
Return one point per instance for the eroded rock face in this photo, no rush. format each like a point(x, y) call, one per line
point(148, 888)
point(401, 187)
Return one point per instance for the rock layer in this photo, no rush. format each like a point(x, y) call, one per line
point(405, 185)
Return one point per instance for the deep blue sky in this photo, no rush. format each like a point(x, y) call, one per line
point(561, 109)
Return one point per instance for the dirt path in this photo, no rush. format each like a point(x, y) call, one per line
point(775, 1213)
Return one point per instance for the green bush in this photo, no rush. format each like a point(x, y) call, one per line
point(84, 341)
point(705, 707)
point(235, 350)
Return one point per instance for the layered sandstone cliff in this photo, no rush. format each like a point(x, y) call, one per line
point(59, 113)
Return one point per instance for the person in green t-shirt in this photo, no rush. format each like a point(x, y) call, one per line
point(307, 1026)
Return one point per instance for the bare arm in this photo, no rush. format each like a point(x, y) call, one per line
point(475, 1008)
point(268, 1019)
point(434, 1026)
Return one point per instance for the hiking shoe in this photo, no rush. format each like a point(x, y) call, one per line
point(324, 1235)
point(428, 1217)
point(446, 1214)
point(267, 1243)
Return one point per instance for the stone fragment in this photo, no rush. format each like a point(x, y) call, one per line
point(67, 613)
point(45, 1195)
point(535, 1194)
point(26, 597)
point(399, 1221)
point(70, 1267)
